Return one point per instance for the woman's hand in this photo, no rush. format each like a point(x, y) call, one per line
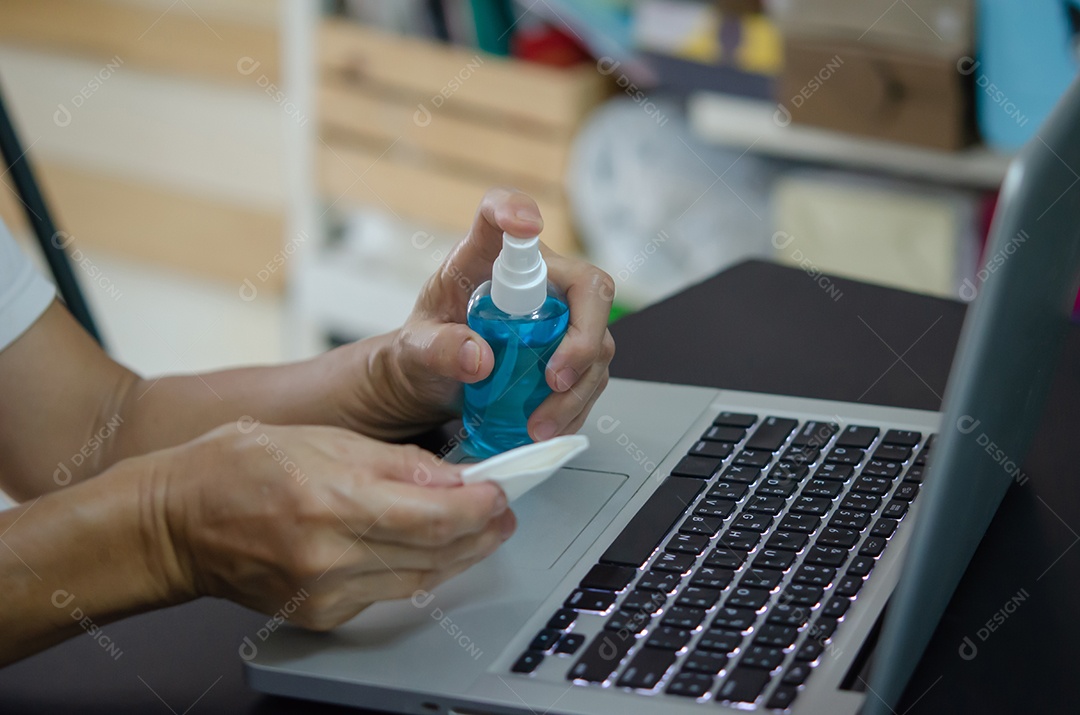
point(322, 517)
point(414, 380)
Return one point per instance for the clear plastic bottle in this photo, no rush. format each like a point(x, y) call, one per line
point(523, 318)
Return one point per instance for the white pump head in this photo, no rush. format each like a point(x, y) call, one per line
point(519, 276)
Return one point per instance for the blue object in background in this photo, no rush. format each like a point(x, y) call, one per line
point(1027, 57)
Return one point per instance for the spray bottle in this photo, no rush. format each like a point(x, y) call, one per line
point(523, 318)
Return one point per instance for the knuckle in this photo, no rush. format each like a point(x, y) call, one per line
point(439, 528)
point(604, 282)
point(607, 347)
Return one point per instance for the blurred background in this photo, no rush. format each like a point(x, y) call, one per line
point(254, 180)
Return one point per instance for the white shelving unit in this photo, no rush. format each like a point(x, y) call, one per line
point(751, 124)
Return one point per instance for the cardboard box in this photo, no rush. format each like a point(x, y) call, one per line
point(877, 92)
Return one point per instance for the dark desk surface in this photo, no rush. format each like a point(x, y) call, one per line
point(755, 327)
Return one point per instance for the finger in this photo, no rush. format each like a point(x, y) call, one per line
point(422, 516)
point(500, 210)
point(449, 350)
point(402, 462)
point(554, 415)
point(589, 293)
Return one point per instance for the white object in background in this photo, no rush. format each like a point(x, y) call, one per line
point(523, 468)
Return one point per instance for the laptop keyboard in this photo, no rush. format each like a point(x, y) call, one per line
point(731, 579)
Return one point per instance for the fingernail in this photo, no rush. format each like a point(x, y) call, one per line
point(500, 501)
point(528, 214)
point(565, 379)
point(508, 527)
point(544, 431)
point(470, 357)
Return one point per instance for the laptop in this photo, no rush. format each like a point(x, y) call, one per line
point(718, 549)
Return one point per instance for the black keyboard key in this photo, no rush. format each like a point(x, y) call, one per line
point(789, 614)
point(892, 453)
point(562, 619)
point(761, 656)
point(629, 622)
point(873, 546)
point(822, 629)
point(823, 488)
point(741, 474)
point(698, 597)
point(861, 502)
point(814, 506)
point(761, 578)
point(711, 450)
point(663, 581)
point(528, 662)
point(915, 474)
point(751, 521)
point(861, 566)
point(697, 467)
point(871, 485)
point(718, 508)
point(686, 544)
point(884, 528)
point(771, 434)
point(905, 438)
point(789, 470)
point(646, 669)
point(801, 455)
point(906, 491)
point(895, 509)
point(726, 558)
point(719, 433)
point(810, 650)
point(787, 541)
point(834, 472)
point(831, 536)
point(815, 434)
point(675, 563)
point(705, 661)
point(800, 523)
point(856, 436)
point(877, 468)
point(642, 534)
point(849, 586)
point(743, 685)
point(608, 577)
point(753, 458)
point(782, 697)
point(733, 618)
point(645, 601)
point(668, 638)
point(774, 559)
point(697, 524)
point(802, 594)
point(728, 490)
point(743, 597)
point(845, 455)
point(765, 504)
point(826, 555)
point(815, 575)
point(683, 617)
point(777, 636)
point(735, 419)
point(836, 607)
point(777, 487)
point(796, 673)
point(544, 640)
point(849, 519)
point(712, 577)
point(719, 641)
point(583, 599)
point(739, 539)
point(690, 685)
point(569, 643)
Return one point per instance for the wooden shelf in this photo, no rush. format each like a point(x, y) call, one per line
point(750, 124)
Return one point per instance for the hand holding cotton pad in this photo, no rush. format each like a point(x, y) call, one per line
point(523, 468)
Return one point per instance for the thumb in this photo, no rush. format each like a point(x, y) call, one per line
point(448, 350)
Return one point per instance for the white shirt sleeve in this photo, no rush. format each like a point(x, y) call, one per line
point(24, 292)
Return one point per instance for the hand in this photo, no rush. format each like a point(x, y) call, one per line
point(436, 351)
point(320, 517)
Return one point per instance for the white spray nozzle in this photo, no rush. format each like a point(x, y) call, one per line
point(519, 276)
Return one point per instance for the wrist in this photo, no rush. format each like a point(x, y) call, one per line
point(159, 527)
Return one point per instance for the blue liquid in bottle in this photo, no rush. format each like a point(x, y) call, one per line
point(497, 408)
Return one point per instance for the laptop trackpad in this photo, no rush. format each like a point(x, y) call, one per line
point(552, 515)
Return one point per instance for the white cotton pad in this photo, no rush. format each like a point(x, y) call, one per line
point(521, 469)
